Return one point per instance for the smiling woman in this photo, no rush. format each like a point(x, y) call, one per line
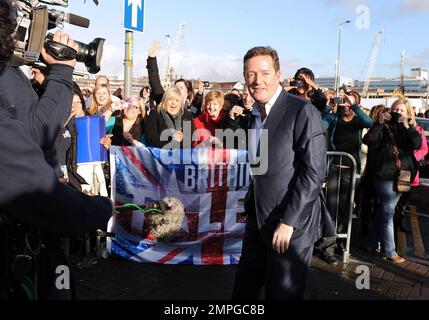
point(211, 119)
point(167, 124)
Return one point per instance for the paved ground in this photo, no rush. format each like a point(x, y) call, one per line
point(118, 279)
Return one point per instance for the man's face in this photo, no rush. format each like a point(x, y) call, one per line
point(261, 78)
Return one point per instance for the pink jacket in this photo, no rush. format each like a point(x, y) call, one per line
point(420, 154)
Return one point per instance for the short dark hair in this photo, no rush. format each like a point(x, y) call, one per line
point(305, 71)
point(188, 85)
point(7, 28)
point(77, 91)
point(263, 51)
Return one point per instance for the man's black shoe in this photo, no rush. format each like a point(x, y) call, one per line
point(331, 260)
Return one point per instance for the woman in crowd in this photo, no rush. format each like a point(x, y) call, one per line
point(392, 140)
point(303, 85)
point(192, 102)
point(167, 123)
point(145, 94)
point(345, 135)
point(247, 100)
point(128, 129)
point(65, 145)
point(211, 118)
point(101, 104)
point(365, 198)
point(419, 155)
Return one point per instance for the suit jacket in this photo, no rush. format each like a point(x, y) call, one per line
point(291, 189)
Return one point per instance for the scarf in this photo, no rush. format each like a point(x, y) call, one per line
point(172, 123)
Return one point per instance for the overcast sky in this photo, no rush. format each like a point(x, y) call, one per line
point(218, 33)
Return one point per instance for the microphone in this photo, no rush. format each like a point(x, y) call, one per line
point(60, 16)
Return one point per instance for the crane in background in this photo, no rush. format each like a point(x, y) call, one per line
point(171, 45)
point(372, 60)
point(400, 91)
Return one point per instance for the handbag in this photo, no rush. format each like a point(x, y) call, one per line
point(403, 181)
point(403, 177)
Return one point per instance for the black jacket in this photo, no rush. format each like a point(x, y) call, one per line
point(155, 125)
point(46, 116)
point(290, 189)
point(381, 163)
point(29, 189)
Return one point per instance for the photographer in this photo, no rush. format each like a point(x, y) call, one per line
point(44, 117)
point(303, 85)
point(32, 200)
point(391, 141)
point(344, 134)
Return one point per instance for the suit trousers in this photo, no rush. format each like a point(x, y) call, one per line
point(284, 275)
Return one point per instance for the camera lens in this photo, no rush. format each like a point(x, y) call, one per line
point(90, 54)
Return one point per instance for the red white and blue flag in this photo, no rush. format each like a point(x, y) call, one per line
point(211, 183)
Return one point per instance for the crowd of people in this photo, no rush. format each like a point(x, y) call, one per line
point(285, 207)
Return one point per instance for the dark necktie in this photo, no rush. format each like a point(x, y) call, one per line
point(263, 113)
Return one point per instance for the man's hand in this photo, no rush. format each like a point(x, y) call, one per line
point(153, 50)
point(63, 38)
point(281, 237)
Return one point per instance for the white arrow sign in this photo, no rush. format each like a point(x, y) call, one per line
point(134, 14)
point(136, 5)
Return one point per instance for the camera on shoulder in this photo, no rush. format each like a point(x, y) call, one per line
point(31, 35)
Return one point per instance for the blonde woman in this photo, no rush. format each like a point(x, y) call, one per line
point(128, 129)
point(382, 164)
point(102, 104)
point(168, 120)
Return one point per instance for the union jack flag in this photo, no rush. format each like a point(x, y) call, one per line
point(211, 183)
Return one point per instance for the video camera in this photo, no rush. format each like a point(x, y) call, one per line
point(33, 22)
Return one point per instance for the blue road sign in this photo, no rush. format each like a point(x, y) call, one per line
point(134, 15)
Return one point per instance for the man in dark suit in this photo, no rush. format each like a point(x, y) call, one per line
point(284, 205)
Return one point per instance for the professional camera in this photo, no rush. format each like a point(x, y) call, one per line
point(33, 22)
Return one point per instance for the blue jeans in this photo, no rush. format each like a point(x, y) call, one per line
point(382, 229)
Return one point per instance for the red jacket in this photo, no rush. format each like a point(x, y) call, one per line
point(204, 121)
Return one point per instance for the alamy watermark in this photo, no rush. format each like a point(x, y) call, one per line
point(363, 280)
point(255, 141)
point(363, 20)
point(62, 281)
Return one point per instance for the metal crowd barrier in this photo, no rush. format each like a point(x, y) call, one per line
point(334, 155)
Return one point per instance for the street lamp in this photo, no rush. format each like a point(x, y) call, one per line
point(337, 65)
